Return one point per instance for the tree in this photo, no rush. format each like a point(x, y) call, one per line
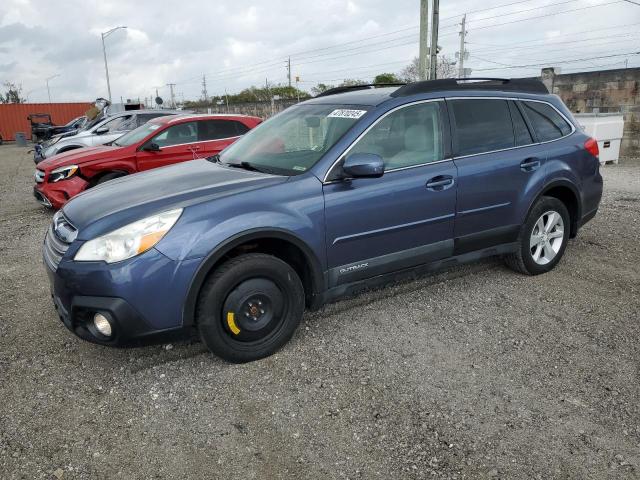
point(320, 88)
point(350, 82)
point(445, 69)
point(13, 95)
point(386, 78)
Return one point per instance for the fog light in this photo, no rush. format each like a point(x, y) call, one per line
point(102, 324)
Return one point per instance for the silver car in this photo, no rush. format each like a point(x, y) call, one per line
point(102, 132)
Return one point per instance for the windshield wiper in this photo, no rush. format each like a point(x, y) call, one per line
point(249, 166)
point(214, 158)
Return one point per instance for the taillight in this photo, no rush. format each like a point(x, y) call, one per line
point(591, 146)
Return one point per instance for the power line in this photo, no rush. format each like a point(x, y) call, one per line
point(556, 62)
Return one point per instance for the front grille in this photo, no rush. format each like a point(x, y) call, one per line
point(39, 176)
point(57, 240)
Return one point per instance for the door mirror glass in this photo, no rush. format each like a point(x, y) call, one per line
point(151, 147)
point(363, 165)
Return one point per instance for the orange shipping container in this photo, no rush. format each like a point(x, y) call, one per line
point(13, 116)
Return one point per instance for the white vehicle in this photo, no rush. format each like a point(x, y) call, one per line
point(100, 133)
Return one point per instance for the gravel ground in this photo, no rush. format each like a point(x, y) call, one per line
point(476, 372)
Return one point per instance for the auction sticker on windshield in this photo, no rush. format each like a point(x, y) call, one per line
point(344, 113)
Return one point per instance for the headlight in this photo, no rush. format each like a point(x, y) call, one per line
point(130, 240)
point(63, 173)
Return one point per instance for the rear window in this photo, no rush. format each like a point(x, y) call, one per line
point(546, 121)
point(482, 125)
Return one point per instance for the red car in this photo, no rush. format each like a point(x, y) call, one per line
point(159, 142)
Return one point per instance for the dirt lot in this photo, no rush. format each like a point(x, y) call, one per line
point(476, 372)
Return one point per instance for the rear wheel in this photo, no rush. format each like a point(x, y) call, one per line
point(249, 307)
point(543, 238)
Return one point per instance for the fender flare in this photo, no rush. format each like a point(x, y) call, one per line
point(317, 276)
point(562, 182)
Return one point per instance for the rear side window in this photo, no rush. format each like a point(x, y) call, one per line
point(523, 135)
point(482, 125)
point(217, 129)
point(145, 117)
point(546, 121)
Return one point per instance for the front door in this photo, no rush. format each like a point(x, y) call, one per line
point(177, 143)
point(404, 218)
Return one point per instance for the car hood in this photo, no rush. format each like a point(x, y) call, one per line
point(127, 199)
point(77, 156)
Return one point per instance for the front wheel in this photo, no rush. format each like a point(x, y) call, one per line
point(249, 307)
point(543, 238)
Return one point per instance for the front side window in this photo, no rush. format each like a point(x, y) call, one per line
point(482, 125)
point(291, 142)
point(407, 137)
point(177, 135)
point(546, 121)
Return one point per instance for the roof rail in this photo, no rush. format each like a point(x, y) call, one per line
point(503, 84)
point(349, 88)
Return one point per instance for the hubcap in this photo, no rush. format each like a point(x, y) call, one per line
point(546, 237)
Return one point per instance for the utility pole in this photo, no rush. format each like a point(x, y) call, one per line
point(435, 21)
point(205, 95)
point(462, 51)
point(289, 71)
point(173, 98)
point(424, 39)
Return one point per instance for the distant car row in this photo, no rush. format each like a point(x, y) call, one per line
point(66, 167)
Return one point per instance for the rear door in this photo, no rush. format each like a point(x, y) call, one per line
point(404, 218)
point(216, 135)
point(178, 143)
point(498, 166)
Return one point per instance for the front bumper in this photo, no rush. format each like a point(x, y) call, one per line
point(142, 298)
point(55, 195)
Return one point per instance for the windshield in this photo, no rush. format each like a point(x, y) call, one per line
point(293, 141)
point(135, 136)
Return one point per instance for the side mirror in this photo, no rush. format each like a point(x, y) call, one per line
point(363, 165)
point(102, 130)
point(151, 147)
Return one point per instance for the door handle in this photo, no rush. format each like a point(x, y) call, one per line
point(441, 182)
point(530, 164)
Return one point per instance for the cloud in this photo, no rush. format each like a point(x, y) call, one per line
point(239, 43)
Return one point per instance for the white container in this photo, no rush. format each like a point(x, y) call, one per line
point(607, 129)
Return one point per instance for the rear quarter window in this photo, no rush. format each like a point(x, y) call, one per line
point(547, 123)
point(482, 125)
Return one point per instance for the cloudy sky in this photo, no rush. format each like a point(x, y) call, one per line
point(239, 43)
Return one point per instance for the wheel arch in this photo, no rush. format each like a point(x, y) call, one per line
point(93, 181)
point(66, 148)
point(280, 243)
point(567, 193)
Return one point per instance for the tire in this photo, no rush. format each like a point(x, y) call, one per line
point(249, 307)
point(540, 252)
point(107, 177)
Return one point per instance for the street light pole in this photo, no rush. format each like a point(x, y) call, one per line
point(104, 53)
point(47, 80)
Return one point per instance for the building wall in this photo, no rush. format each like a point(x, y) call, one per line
point(13, 116)
point(605, 91)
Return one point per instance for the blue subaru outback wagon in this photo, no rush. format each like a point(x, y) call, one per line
point(352, 189)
